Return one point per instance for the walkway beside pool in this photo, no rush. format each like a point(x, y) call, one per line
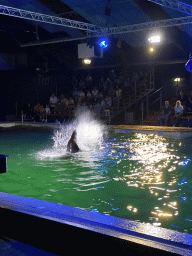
point(176, 132)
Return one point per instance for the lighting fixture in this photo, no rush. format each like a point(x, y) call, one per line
point(188, 65)
point(87, 61)
point(154, 39)
point(103, 43)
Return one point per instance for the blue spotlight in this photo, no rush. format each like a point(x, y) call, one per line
point(103, 43)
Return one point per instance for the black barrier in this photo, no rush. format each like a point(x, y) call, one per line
point(3, 163)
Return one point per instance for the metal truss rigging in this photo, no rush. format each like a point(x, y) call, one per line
point(93, 30)
point(149, 25)
point(10, 11)
point(174, 4)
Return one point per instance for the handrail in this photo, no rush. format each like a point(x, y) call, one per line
point(132, 103)
point(157, 90)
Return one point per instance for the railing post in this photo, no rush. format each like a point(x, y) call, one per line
point(22, 116)
point(147, 104)
point(161, 96)
point(142, 112)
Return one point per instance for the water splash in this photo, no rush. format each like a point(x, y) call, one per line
point(89, 135)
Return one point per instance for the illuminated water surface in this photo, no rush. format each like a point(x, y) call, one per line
point(137, 176)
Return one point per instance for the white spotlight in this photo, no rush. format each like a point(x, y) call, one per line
point(154, 39)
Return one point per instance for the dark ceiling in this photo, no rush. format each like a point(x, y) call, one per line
point(16, 32)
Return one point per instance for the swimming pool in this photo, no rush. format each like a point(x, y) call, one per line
point(136, 176)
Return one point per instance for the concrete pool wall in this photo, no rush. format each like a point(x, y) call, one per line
point(57, 228)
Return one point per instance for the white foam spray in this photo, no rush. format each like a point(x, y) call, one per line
point(89, 135)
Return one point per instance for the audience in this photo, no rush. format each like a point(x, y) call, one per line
point(166, 114)
point(99, 94)
point(178, 113)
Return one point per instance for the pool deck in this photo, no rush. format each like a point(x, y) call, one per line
point(176, 132)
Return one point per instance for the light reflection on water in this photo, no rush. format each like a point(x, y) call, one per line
point(144, 177)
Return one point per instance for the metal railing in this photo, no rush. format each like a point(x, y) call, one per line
point(145, 102)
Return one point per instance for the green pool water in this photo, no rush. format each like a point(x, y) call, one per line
point(136, 176)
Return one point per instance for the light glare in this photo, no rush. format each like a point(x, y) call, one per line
point(154, 39)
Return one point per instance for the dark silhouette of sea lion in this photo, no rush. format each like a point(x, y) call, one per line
point(72, 145)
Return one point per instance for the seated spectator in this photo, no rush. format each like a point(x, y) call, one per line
point(118, 92)
point(108, 83)
point(76, 94)
point(82, 94)
point(66, 103)
point(81, 85)
point(74, 82)
point(178, 113)
point(184, 100)
point(94, 92)
point(36, 111)
point(53, 101)
point(190, 101)
point(108, 102)
point(89, 80)
point(71, 103)
point(47, 112)
point(89, 98)
point(112, 92)
point(62, 98)
point(27, 111)
point(42, 113)
point(166, 114)
point(59, 106)
point(112, 75)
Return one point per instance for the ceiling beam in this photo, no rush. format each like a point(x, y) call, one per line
point(174, 4)
point(34, 16)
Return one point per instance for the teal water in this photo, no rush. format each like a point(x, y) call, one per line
point(137, 176)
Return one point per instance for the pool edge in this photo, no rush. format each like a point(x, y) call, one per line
point(129, 231)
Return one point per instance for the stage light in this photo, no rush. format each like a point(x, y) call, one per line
point(188, 65)
point(154, 39)
point(103, 43)
point(87, 61)
point(151, 49)
point(177, 79)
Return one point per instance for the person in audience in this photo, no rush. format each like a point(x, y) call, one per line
point(108, 102)
point(36, 111)
point(62, 98)
point(112, 92)
point(178, 113)
point(118, 92)
point(94, 92)
point(47, 112)
point(53, 102)
point(42, 113)
point(89, 80)
point(184, 101)
point(66, 103)
point(108, 83)
point(81, 84)
point(166, 114)
point(190, 101)
point(27, 111)
point(76, 94)
point(71, 103)
point(112, 75)
point(89, 98)
point(74, 82)
point(59, 106)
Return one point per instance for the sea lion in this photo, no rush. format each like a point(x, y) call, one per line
point(72, 145)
